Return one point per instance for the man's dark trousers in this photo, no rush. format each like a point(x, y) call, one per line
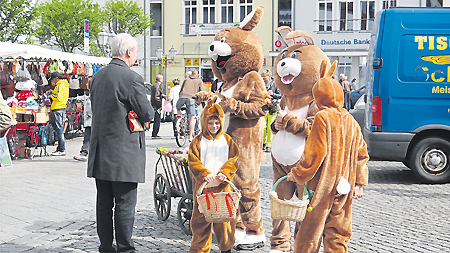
point(156, 122)
point(124, 196)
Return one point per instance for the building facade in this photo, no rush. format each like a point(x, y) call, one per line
point(341, 28)
point(189, 28)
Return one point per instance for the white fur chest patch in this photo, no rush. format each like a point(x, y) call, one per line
point(213, 155)
point(226, 93)
point(287, 148)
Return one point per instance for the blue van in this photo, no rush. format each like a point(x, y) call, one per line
point(407, 114)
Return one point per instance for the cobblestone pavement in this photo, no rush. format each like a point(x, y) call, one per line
point(47, 205)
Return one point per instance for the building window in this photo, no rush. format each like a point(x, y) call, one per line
point(284, 13)
point(434, 3)
point(389, 4)
point(209, 11)
point(155, 9)
point(226, 11)
point(346, 19)
point(190, 14)
point(245, 7)
point(367, 14)
point(325, 15)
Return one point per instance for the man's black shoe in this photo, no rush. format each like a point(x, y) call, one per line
point(156, 137)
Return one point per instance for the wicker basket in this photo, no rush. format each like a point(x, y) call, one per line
point(219, 207)
point(288, 210)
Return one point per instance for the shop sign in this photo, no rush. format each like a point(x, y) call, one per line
point(86, 36)
point(195, 62)
point(345, 42)
point(196, 29)
point(188, 62)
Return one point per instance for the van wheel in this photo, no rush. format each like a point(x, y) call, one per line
point(429, 160)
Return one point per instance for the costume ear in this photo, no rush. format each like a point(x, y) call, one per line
point(323, 68)
point(283, 31)
point(252, 19)
point(300, 37)
point(332, 69)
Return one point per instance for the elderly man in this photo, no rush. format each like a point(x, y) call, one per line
point(156, 101)
point(117, 154)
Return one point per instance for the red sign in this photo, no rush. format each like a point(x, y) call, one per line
point(278, 43)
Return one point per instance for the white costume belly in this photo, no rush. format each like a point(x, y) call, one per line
point(213, 155)
point(287, 148)
point(226, 93)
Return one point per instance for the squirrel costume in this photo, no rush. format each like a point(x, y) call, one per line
point(237, 56)
point(297, 69)
point(335, 155)
point(211, 153)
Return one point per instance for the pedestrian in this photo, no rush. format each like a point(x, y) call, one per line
point(212, 159)
point(5, 114)
point(59, 97)
point(87, 120)
point(191, 85)
point(156, 101)
point(335, 156)
point(117, 154)
point(346, 88)
point(354, 84)
point(174, 94)
point(275, 95)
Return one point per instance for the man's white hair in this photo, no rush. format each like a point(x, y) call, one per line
point(158, 77)
point(121, 43)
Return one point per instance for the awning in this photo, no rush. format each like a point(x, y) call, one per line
point(32, 52)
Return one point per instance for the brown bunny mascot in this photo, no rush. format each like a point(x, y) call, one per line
point(334, 165)
point(237, 56)
point(297, 69)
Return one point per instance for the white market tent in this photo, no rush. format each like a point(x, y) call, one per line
point(32, 52)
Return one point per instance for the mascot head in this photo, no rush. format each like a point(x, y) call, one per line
point(236, 51)
point(297, 67)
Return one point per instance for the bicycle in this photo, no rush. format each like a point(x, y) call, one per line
point(182, 127)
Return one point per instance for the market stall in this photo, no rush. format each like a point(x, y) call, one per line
point(24, 71)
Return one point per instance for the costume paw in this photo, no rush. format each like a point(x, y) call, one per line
point(276, 251)
point(251, 242)
point(239, 235)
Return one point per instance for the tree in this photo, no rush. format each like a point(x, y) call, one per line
point(127, 17)
point(62, 23)
point(16, 18)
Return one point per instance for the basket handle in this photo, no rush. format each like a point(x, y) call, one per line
point(308, 193)
point(202, 187)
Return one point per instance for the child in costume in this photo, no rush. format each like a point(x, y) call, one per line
point(335, 154)
point(212, 158)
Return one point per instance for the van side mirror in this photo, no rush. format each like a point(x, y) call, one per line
point(377, 63)
point(365, 98)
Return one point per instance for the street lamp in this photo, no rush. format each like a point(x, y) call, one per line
point(103, 39)
point(172, 53)
point(159, 53)
point(163, 57)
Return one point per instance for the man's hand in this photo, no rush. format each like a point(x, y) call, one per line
point(358, 193)
point(210, 178)
point(221, 177)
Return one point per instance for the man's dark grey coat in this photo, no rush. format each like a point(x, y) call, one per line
point(116, 153)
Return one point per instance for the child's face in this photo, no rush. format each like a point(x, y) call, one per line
point(213, 126)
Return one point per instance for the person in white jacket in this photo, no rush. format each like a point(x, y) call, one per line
point(174, 94)
point(87, 114)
